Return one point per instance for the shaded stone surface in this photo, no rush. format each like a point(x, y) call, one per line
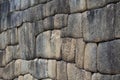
point(98, 25)
point(108, 57)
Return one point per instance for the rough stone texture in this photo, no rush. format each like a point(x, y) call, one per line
point(59, 40)
point(68, 49)
point(79, 57)
point(90, 57)
point(77, 74)
point(98, 76)
point(117, 19)
point(98, 25)
point(108, 57)
point(74, 28)
point(77, 5)
point(61, 70)
point(60, 21)
point(48, 44)
point(26, 41)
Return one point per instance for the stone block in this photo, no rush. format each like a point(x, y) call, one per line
point(60, 21)
point(48, 23)
point(24, 4)
point(79, 57)
point(61, 70)
point(3, 40)
point(98, 25)
point(68, 49)
point(77, 74)
point(26, 41)
point(90, 57)
point(98, 76)
point(77, 5)
point(28, 77)
point(48, 44)
point(108, 57)
point(21, 78)
point(74, 28)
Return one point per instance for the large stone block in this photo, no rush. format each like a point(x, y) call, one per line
point(98, 76)
point(61, 70)
point(117, 19)
point(90, 57)
point(60, 21)
point(68, 49)
point(108, 57)
point(98, 25)
point(26, 41)
point(77, 5)
point(79, 57)
point(48, 44)
point(74, 28)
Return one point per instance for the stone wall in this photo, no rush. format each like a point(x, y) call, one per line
point(60, 39)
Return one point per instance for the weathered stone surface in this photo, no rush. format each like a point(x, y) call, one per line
point(39, 68)
point(98, 76)
point(74, 28)
point(27, 41)
point(1, 72)
point(46, 79)
point(28, 77)
point(21, 78)
point(48, 44)
point(79, 57)
point(12, 36)
point(37, 11)
point(21, 67)
point(97, 25)
point(90, 57)
point(3, 40)
point(60, 21)
point(116, 77)
point(77, 5)
point(2, 58)
point(25, 4)
point(68, 49)
point(39, 27)
point(61, 70)
point(77, 74)
point(8, 71)
point(16, 19)
point(34, 2)
point(52, 69)
point(48, 23)
point(14, 5)
point(108, 57)
point(117, 19)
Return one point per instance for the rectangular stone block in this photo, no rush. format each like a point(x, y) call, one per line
point(68, 49)
point(77, 5)
point(26, 41)
point(60, 21)
point(98, 25)
point(79, 56)
point(61, 70)
point(48, 44)
point(108, 57)
point(90, 57)
point(74, 28)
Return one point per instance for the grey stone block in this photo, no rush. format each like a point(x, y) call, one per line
point(90, 57)
point(68, 49)
point(74, 28)
point(98, 25)
point(108, 57)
